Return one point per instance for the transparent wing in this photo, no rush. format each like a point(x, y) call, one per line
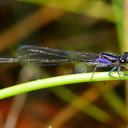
point(49, 56)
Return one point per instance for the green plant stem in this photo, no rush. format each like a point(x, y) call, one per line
point(57, 81)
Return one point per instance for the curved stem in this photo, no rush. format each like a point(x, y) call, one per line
point(57, 81)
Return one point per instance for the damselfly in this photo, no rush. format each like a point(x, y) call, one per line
point(48, 56)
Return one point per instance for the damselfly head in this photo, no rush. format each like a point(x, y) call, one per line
point(124, 58)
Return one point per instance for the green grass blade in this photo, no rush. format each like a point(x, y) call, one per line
point(57, 81)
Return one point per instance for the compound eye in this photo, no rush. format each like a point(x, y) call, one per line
point(125, 57)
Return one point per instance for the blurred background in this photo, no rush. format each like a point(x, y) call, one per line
point(77, 25)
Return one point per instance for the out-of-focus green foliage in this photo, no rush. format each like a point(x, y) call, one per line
point(95, 8)
point(118, 9)
point(81, 104)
